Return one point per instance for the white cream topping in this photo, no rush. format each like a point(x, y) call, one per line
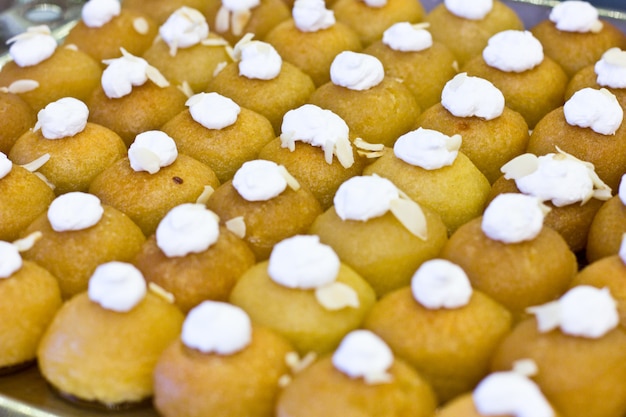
point(318, 127)
point(303, 262)
point(406, 37)
point(122, 73)
point(62, 118)
point(364, 197)
point(512, 394)
point(622, 249)
point(356, 71)
point(439, 283)
point(74, 211)
point(117, 286)
point(583, 311)
point(151, 151)
point(187, 228)
point(575, 16)
point(362, 354)
point(466, 96)
point(97, 13)
point(375, 3)
point(217, 327)
point(257, 59)
point(427, 149)
point(513, 218)
point(33, 46)
point(184, 28)
point(213, 110)
point(5, 165)
point(259, 180)
point(472, 10)
point(595, 109)
point(622, 190)
point(611, 69)
point(312, 15)
point(10, 259)
point(513, 51)
point(239, 5)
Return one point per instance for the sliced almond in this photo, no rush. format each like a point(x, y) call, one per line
point(22, 86)
point(149, 160)
point(186, 89)
point(34, 165)
point(526, 367)
point(411, 215)
point(219, 67)
point(520, 166)
point(27, 242)
point(336, 296)
point(239, 20)
point(161, 292)
point(141, 25)
point(377, 378)
point(237, 225)
point(222, 20)
point(343, 150)
point(297, 364)
point(291, 181)
point(548, 316)
point(71, 47)
point(156, 77)
point(214, 42)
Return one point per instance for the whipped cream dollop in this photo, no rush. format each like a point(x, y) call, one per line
point(318, 127)
point(583, 311)
point(575, 16)
point(513, 218)
point(74, 211)
point(312, 15)
point(510, 393)
point(187, 228)
point(426, 148)
point(356, 71)
point(375, 3)
point(126, 72)
point(362, 354)
point(439, 283)
point(364, 197)
point(212, 110)
point(62, 118)
point(611, 69)
point(33, 46)
point(259, 180)
point(465, 96)
point(151, 151)
point(5, 165)
point(595, 109)
point(622, 249)
point(240, 5)
point(97, 13)
point(472, 10)
point(406, 37)
point(513, 51)
point(257, 60)
point(184, 28)
point(217, 327)
point(10, 259)
point(621, 192)
point(117, 286)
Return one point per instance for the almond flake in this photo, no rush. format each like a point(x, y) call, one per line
point(291, 181)
point(369, 150)
point(206, 193)
point(148, 160)
point(71, 47)
point(27, 242)
point(237, 225)
point(22, 86)
point(520, 166)
point(141, 26)
point(186, 89)
point(410, 214)
point(548, 316)
point(336, 296)
point(597, 27)
point(526, 367)
point(156, 77)
point(239, 20)
point(239, 45)
point(377, 378)
point(34, 165)
point(219, 67)
point(284, 380)
point(297, 364)
point(215, 42)
point(161, 292)
point(44, 179)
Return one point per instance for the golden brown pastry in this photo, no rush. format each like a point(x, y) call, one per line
point(607, 228)
point(17, 117)
point(606, 72)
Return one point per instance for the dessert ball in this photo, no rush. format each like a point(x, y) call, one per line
point(78, 226)
point(192, 257)
point(17, 117)
point(152, 180)
point(218, 132)
point(206, 365)
point(430, 168)
point(490, 249)
point(76, 150)
point(30, 297)
point(379, 232)
point(607, 227)
point(376, 107)
point(117, 330)
point(492, 133)
point(264, 204)
point(325, 298)
point(362, 377)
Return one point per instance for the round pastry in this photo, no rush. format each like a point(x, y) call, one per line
point(316, 147)
point(117, 330)
point(465, 27)
point(29, 298)
point(376, 107)
point(436, 326)
point(312, 38)
point(429, 167)
point(218, 132)
point(492, 132)
point(17, 118)
point(133, 98)
point(261, 81)
point(77, 150)
point(325, 298)
point(489, 249)
point(40, 72)
point(607, 227)
point(361, 378)
point(78, 226)
point(409, 53)
point(579, 351)
point(264, 204)
point(574, 36)
point(533, 84)
point(153, 179)
point(380, 232)
point(370, 18)
point(185, 52)
point(206, 365)
point(192, 257)
point(105, 27)
point(161, 10)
